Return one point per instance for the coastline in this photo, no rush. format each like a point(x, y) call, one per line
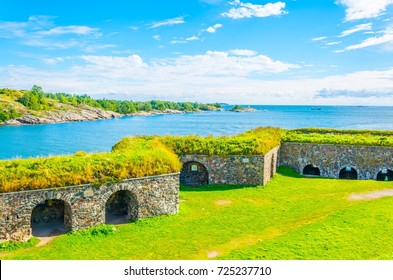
point(85, 113)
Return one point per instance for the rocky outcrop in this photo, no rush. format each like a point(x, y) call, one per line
point(244, 110)
point(240, 109)
point(67, 114)
point(156, 112)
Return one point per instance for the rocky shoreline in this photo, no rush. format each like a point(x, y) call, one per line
point(84, 113)
point(57, 116)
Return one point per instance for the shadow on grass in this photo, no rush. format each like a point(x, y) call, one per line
point(212, 188)
point(289, 172)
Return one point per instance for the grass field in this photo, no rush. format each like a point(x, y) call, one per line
point(290, 218)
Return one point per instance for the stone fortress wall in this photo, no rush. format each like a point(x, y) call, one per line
point(84, 206)
point(80, 207)
point(338, 161)
point(228, 170)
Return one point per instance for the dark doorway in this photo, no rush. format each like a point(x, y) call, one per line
point(385, 175)
point(121, 207)
point(194, 174)
point(50, 218)
point(311, 170)
point(348, 173)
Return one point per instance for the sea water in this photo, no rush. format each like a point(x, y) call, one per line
point(99, 136)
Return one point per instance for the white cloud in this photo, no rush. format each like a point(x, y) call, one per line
point(212, 76)
point(357, 28)
point(213, 29)
point(157, 37)
point(133, 27)
point(72, 29)
point(120, 72)
point(93, 48)
point(184, 41)
point(222, 64)
point(51, 45)
point(243, 52)
point(168, 22)
point(41, 31)
point(174, 42)
point(248, 10)
point(192, 38)
point(333, 43)
point(319, 38)
point(361, 9)
point(17, 29)
point(387, 37)
point(55, 60)
point(114, 61)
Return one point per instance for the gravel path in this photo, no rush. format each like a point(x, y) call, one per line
point(371, 195)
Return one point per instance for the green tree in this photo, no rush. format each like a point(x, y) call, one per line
point(35, 99)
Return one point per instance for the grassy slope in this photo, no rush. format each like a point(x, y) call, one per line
point(344, 137)
point(252, 142)
point(146, 158)
point(289, 218)
point(7, 101)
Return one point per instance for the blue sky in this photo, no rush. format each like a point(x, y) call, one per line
point(333, 52)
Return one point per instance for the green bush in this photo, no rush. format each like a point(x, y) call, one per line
point(100, 230)
point(8, 246)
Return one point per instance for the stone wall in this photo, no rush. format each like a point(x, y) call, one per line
point(270, 164)
point(84, 206)
point(237, 170)
point(368, 161)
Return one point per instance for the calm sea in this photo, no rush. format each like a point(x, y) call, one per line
point(97, 136)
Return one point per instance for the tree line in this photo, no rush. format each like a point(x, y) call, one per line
point(36, 99)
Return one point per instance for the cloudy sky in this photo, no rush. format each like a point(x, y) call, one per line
point(251, 52)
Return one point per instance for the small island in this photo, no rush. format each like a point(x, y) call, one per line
point(239, 108)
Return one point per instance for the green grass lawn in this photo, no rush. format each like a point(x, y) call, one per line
point(290, 218)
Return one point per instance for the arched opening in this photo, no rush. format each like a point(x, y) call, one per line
point(348, 173)
point(50, 218)
point(311, 170)
point(385, 175)
point(121, 207)
point(194, 174)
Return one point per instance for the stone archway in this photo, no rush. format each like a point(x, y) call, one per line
point(50, 218)
point(311, 170)
point(121, 207)
point(385, 175)
point(194, 174)
point(348, 172)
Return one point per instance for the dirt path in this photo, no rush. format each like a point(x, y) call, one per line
point(47, 232)
point(223, 202)
point(371, 195)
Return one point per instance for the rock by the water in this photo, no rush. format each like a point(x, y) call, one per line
point(82, 113)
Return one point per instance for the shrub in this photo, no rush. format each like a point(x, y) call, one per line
point(100, 230)
point(15, 245)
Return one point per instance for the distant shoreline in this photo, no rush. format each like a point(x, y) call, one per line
point(88, 114)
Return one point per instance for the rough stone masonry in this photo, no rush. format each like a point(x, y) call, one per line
point(85, 206)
